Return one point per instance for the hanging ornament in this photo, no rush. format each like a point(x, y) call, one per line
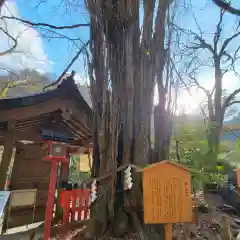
point(128, 183)
point(93, 191)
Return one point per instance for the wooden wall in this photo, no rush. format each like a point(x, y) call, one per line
point(30, 171)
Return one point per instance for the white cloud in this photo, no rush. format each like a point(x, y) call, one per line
point(190, 103)
point(81, 79)
point(29, 52)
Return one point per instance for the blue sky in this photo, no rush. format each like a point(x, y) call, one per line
point(58, 52)
point(61, 51)
point(207, 15)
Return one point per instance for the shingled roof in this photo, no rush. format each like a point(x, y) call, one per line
point(62, 109)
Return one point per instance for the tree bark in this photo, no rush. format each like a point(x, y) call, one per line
point(1, 4)
point(218, 103)
point(123, 70)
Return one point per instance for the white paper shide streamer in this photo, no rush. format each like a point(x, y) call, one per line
point(93, 191)
point(128, 183)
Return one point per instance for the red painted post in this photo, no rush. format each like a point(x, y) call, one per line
point(50, 202)
point(86, 203)
point(80, 197)
point(55, 158)
point(74, 204)
point(67, 202)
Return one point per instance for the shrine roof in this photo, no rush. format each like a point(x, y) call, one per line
point(62, 109)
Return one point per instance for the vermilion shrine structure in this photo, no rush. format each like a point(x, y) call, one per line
point(29, 125)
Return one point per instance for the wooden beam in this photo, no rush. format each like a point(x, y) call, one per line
point(22, 135)
point(79, 114)
point(33, 110)
point(7, 154)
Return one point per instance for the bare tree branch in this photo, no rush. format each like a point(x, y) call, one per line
point(68, 66)
point(227, 41)
point(233, 102)
point(227, 7)
point(202, 44)
point(218, 31)
point(46, 24)
point(220, 58)
point(52, 34)
point(180, 77)
point(11, 49)
point(1, 3)
point(207, 92)
point(231, 58)
point(230, 98)
point(208, 95)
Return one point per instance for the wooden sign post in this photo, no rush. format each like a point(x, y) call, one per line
point(238, 177)
point(168, 231)
point(167, 195)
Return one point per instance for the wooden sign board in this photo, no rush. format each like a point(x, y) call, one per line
point(4, 195)
point(23, 198)
point(84, 163)
point(168, 231)
point(167, 193)
point(238, 177)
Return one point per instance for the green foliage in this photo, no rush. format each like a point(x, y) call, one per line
point(238, 143)
point(75, 174)
point(194, 154)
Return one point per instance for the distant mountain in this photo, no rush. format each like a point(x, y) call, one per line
point(235, 120)
point(34, 82)
point(30, 81)
point(231, 131)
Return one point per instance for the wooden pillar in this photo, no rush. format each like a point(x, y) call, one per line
point(64, 172)
point(7, 154)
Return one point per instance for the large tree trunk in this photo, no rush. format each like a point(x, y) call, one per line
point(123, 70)
point(216, 114)
point(1, 4)
point(218, 103)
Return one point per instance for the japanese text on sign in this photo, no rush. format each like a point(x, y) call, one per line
point(167, 194)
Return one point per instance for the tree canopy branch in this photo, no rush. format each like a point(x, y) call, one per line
point(233, 102)
point(202, 44)
point(46, 24)
point(68, 66)
point(227, 41)
point(199, 85)
point(227, 7)
point(179, 76)
point(1, 3)
point(10, 50)
point(230, 98)
point(218, 31)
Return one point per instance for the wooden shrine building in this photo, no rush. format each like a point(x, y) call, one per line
point(61, 115)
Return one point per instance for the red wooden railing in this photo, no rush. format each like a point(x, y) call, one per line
point(75, 204)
